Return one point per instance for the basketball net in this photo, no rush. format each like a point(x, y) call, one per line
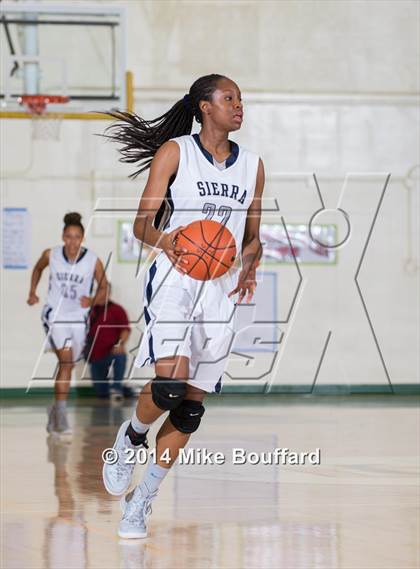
point(45, 125)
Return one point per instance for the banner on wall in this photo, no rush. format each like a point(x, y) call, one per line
point(16, 238)
point(305, 248)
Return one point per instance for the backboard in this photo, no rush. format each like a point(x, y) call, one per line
point(76, 50)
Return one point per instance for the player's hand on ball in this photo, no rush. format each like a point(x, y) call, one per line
point(247, 283)
point(32, 299)
point(174, 253)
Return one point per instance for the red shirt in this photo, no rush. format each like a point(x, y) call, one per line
point(106, 324)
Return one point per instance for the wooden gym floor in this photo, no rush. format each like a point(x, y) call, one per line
point(357, 509)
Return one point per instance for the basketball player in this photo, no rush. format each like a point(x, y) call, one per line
point(73, 269)
point(192, 177)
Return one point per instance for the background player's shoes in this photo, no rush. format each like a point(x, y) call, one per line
point(51, 419)
point(136, 507)
point(58, 423)
point(62, 422)
point(117, 476)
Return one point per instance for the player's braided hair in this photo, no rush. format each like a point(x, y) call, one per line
point(73, 219)
point(141, 138)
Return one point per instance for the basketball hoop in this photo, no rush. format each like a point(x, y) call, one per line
point(45, 125)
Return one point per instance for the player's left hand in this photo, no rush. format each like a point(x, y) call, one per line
point(247, 283)
point(85, 302)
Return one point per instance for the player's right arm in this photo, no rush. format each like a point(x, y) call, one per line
point(40, 265)
point(164, 165)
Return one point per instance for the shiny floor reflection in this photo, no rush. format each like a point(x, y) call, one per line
point(357, 509)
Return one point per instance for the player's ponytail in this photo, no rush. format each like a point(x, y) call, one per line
point(141, 139)
point(73, 219)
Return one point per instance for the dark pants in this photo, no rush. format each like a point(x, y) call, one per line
point(99, 370)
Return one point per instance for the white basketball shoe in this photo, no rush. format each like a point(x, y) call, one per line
point(51, 419)
point(118, 472)
point(58, 423)
point(62, 426)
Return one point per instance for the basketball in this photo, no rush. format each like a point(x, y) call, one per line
point(211, 249)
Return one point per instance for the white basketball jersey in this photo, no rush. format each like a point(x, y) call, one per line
point(201, 190)
point(69, 282)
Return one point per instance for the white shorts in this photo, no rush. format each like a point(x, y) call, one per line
point(186, 317)
point(66, 333)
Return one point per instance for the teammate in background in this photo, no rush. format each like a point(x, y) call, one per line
point(73, 269)
point(192, 177)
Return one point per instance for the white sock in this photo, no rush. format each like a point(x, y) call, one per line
point(137, 425)
point(153, 477)
point(61, 405)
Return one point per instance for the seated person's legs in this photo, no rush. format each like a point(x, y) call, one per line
point(99, 371)
point(119, 363)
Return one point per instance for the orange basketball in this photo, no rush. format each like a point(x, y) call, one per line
point(211, 249)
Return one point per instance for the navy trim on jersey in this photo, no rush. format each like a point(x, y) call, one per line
point(218, 386)
point(151, 352)
point(146, 316)
point(84, 251)
point(46, 311)
point(149, 292)
point(47, 327)
point(230, 160)
point(171, 209)
point(91, 284)
point(159, 213)
point(162, 208)
point(234, 154)
point(49, 337)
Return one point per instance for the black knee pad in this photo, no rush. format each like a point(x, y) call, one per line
point(187, 417)
point(168, 393)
